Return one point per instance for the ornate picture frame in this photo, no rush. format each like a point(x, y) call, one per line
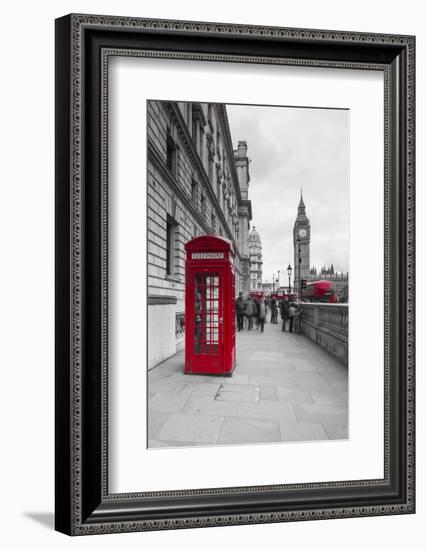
point(84, 44)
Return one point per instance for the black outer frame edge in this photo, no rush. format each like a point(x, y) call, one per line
point(62, 275)
point(93, 509)
point(398, 315)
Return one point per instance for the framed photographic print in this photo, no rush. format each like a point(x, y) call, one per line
point(234, 274)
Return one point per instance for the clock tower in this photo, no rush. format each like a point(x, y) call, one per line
point(301, 243)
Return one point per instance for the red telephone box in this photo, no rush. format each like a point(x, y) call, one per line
point(210, 306)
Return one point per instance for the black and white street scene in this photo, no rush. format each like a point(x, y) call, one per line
point(248, 274)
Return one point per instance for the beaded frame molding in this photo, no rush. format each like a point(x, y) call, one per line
point(84, 44)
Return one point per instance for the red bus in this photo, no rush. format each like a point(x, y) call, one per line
point(320, 291)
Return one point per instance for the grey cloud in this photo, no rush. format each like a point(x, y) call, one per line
point(290, 149)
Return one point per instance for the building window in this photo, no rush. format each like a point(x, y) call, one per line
point(218, 142)
point(201, 144)
point(218, 190)
point(188, 111)
point(211, 166)
point(203, 206)
point(194, 133)
point(213, 223)
point(170, 245)
point(194, 193)
point(210, 116)
point(171, 154)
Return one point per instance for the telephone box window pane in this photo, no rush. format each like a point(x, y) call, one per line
point(206, 301)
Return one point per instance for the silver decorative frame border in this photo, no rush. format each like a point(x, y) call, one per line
point(79, 22)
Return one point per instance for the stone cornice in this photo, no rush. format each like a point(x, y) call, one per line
point(191, 150)
point(197, 111)
point(156, 157)
point(221, 109)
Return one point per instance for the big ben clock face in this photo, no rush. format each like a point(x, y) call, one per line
point(302, 233)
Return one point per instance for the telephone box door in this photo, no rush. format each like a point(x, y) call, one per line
point(208, 311)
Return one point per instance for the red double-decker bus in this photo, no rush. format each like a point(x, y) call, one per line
point(320, 291)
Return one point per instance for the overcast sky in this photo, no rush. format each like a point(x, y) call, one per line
point(292, 149)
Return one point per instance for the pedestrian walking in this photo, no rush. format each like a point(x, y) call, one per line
point(284, 309)
point(240, 308)
point(292, 312)
point(262, 314)
point(256, 316)
point(250, 312)
point(274, 311)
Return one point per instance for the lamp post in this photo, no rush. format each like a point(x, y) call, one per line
point(278, 280)
point(289, 270)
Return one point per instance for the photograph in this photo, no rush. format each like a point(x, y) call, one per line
point(247, 274)
point(234, 272)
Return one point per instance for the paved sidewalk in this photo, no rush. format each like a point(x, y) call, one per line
point(284, 388)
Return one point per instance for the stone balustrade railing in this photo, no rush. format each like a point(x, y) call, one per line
point(327, 326)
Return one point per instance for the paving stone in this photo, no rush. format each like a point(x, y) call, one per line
point(268, 393)
point(279, 381)
point(291, 372)
point(249, 430)
point(201, 388)
point(238, 392)
point(156, 444)
point(168, 402)
point(302, 431)
point(328, 399)
point(204, 404)
point(333, 373)
point(251, 370)
point(284, 370)
point(305, 366)
point(155, 420)
point(341, 388)
point(237, 379)
point(198, 428)
point(266, 409)
point(314, 384)
point(197, 378)
point(267, 356)
point(289, 395)
point(336, 432)
point(321, 414)
point(166, 385)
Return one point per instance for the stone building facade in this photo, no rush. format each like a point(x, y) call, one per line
point(256, 262)
point(196, 184)
point(301, 243)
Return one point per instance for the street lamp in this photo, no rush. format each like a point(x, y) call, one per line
point(289, 270)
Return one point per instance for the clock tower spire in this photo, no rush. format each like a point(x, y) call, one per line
point(301, 243)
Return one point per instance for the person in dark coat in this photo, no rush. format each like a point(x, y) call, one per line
point(250, 311)
point(274, 311)
point(292, 312)
point(284, 312)
point(256, 316)
point(240, 308)
point(262, 313)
